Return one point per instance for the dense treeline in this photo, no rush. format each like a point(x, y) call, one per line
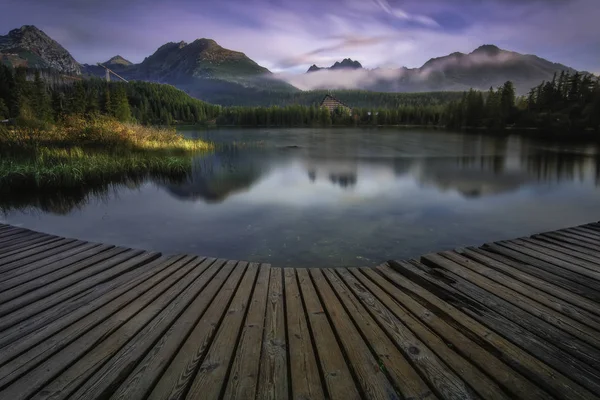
point(26, 99)
point(567, 103)
point(298, 115)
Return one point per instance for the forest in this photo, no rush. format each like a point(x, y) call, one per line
point(27, 97)
point(567, 103)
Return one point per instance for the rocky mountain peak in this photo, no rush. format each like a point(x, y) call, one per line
point(29, 46)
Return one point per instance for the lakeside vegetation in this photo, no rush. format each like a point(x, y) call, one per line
point(86, 133)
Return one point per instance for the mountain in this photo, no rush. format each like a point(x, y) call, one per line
point(203, 69)
point(30, 47)
point(486, 66)
point(346, 63)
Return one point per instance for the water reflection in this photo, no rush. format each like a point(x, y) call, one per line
point(329, 198)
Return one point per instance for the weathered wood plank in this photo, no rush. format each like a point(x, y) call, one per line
point(119, 265)
point(555, 328)
point(178, 377)
point(243, 378)
point(45, 265)
point(8, 240)
point(467, 357)
point(560, 255)
point(593, 288)
point(336, 373)
point(465, 319)
point(211, 377)
point(273, 382)
point(26, 258)
point(306, 382)
point(141, 380)
point(473, 301)
point(541, 274)
point(593, 312)
point(574, 238)
point(74, 346)
point(575, 252)
point(567, 265)
point(10, 302)
point(19, 285)
point(398, 368)
point(444, 382)
point(372, 380)
point(103, 382)
point(27, 245)
point(536, 302)
point(83, 314)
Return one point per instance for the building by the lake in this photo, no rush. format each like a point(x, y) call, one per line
point(331, 103)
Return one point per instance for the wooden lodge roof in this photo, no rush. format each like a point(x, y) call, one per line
point(331, 103)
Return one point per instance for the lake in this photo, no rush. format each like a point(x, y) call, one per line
point(336, 197)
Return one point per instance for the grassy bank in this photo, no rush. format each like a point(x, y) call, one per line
point(79, 151)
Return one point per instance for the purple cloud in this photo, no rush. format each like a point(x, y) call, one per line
point(288, 36)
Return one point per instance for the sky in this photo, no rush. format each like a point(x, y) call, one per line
point(287, 36)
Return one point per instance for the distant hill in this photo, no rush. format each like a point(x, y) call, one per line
point(30, 47)
point(485, 67)
point(346, 63)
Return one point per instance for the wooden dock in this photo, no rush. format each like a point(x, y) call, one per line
point(517, 319)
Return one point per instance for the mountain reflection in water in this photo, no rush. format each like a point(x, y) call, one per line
point(310, 197)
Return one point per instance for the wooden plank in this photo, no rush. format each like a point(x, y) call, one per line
point(177, 378)
point(588, 233)
point(569, 266)
point(44, 379)
point(557, 329)
point(471, 300)
point(444, 382)
point(36, 254)
point(120, 266)
point(568, 296)
point(116, 369)
point(15, 277)
point(243, 379)
point(372, 380)
point(12, 231)
point(465, 320)
point(560, 255)
point(593, 289)
point(395, 363)
point(47, 290)
point(6, 241)
point(210, 380)
point(304, 371)
point(572, 237)
point(20, 285)
point(273, 381)
point(141, 380)
point(541, 274)
point(573, 251)
point(106, 299)
point(468, 358)
point(537, 303)
point(45, 265)
point(336, 373)
point(25, 246)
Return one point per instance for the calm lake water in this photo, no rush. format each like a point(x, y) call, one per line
point(314, 197)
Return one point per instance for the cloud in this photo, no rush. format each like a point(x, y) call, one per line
point(375, 32)
point(401, 14)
